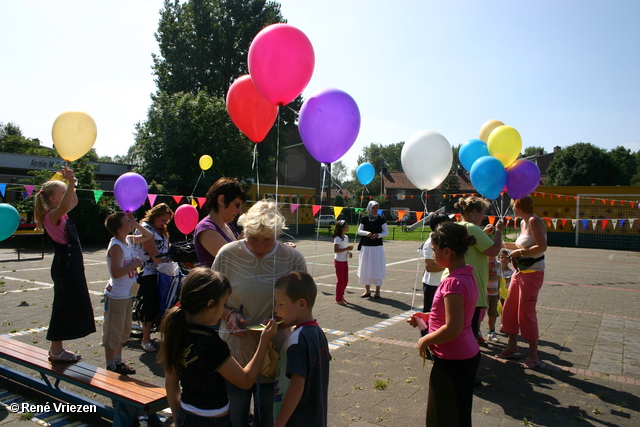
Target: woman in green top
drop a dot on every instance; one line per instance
(472, 209)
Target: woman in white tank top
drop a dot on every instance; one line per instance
(519, 315)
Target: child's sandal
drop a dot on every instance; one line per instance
(64, 357)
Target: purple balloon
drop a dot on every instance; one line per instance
(523, 177)
(130, 191)
(329, 124)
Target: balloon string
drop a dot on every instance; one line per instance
(254, 165)
(423, 199)
(275, 237)
(194, 187)
(355, 234)
(315, 253)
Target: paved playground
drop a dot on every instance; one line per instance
(588, 310)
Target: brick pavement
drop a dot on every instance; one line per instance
(589, 345)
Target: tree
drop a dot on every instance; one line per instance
(581, 164)
(204, 43)
(203, 49)
(383, 156)
(625, 164)
(534, 151)
(12, 141)
(338, 172)
(182, 127)
(636, 177)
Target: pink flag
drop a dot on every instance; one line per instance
(152, 199)
(294, 206)
(29, 189)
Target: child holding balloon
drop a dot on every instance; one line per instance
(72, 312)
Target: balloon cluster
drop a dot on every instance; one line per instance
(491, 162)
(281, 61)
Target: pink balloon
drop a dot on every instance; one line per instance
(186, 218)
(281, 62)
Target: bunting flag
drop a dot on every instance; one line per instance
(604, 201)
(614, 222)
(194, 203)
(178, 199)
(29, 189)
(401, 215)
(97, 194)
(337, 210)
(632, 203)
(294, 207)
(631, 222)
(492, 219)
(555, 223)
(3, 188)
(419, 215)
(594, 222)
(457, 217)
(604, 223)
(593, 201)
(548, 221)
(584, 224)
(359, 209)
(201, 201)
(380, 212)
(621, 223)
(612, 202)
(315, 209)
(152, 199)
(564, 222)
(573, 223)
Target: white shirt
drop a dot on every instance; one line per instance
(341, 256)
(431, 279)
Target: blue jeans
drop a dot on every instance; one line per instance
(240, 401)
(188, 419)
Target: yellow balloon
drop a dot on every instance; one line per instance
(487, 128)
(505, 144)
(205, 162)
(73, 133)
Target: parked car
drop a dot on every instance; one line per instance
(326, 221)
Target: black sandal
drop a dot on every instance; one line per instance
(365, 295)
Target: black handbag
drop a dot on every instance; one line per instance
(523, 263)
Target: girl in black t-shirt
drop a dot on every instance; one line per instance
(196, 359)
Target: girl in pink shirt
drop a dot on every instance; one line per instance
(456, 354)
(72, 311)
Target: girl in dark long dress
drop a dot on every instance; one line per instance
(71, 313)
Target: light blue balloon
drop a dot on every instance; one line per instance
(488, 176)
(365, 173)
(9, 220)
(471, 151)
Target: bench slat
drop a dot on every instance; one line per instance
(122, 386)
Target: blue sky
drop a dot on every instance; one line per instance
(559, 72)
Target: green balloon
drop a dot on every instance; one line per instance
(9, 220)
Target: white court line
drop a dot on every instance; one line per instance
(44, 284)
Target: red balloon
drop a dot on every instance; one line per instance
(249, 110)
(281, 62)
(186, 218)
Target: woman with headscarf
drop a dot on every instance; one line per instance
(372, 262)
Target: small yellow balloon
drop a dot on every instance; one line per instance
(487, 128)
(73, 133)
(505, 144)
(205, 162)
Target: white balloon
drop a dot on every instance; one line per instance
(426, 159)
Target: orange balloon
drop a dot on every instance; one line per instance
(73, 133)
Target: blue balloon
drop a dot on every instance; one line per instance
(471, 151)
(9, 220)
(365, 173)
(488, 176)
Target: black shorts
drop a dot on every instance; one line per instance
(148, 293)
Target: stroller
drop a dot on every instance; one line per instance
(170, 277)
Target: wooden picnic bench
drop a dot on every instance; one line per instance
(130, 397)
(25, 232)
